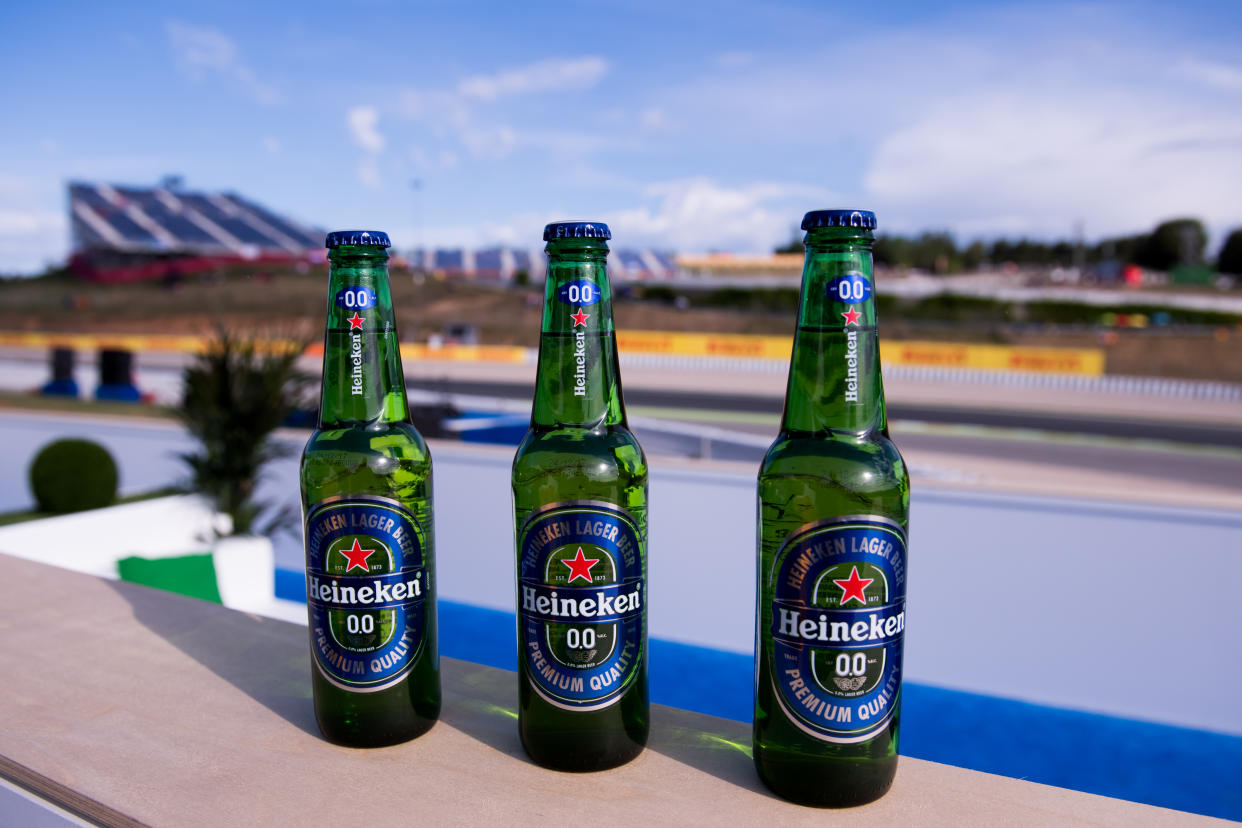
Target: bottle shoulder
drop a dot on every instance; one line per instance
(599, 450)
(396, 440)
(871, 456)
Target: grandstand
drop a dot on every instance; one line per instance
(131, 233)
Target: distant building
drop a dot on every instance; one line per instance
(502, 264)
(729, 264)
(130, 233)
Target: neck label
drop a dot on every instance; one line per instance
(356, 297)
(580, 293)
(852, 287)
(851, 366)
(356, 374)
(837, 623)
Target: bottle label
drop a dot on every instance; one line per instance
(837, 622)
(581, 603)
(366, 589)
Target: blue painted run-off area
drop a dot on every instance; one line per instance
(1173, 767)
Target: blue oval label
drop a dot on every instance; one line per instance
(366, 589)
(355, 298)
(579, 292)
(838, 624)
(850, 288)
(582, 599)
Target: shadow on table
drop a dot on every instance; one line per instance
(268, 660)
(481, 702)
(714, 746)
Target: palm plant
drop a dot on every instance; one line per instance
(237, 392)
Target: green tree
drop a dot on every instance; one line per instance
(794, 245)
(1230, 258)
(974, 256)
(236, 394)
(1176, 242)
(893, 251)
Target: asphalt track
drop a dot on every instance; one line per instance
(1110, 425)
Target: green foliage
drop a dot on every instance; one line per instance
(794, 245)
(658, 293)
(1230, 259)
(236, 395)
(73, 475)
(1172, 243)
(933, 252)
(948, 307)
(1169, 245)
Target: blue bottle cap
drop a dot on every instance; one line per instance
(864, 219)
(368, 238)
(576, 230)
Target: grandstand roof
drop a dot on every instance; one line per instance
(158, 221)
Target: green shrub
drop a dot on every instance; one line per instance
(237, 393)
(73, 475)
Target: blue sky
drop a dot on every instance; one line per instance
(686, 126)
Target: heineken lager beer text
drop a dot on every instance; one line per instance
(366, 500)
(833, 505)
(580, 496)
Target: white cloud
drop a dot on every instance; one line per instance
(1011, 122)
(448, 115)
(31, 240)
(653, 119)
(1222, 76)
(363, 123)
(543, 76)
(490, 144)
(369, 174)
(700, 214)
(688, 215)
(1035, 158)
(200, 51)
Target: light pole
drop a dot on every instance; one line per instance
(416, 185)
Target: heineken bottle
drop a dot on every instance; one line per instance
(580, 502)
(833, 507)
(366, 500)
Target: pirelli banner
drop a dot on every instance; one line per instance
(148, 343)
(721, 345)
(948, 355)
(1084, 361)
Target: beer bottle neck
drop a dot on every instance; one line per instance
(834, 374)
(362, 378)
(577, 382)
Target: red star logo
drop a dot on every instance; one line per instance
(580, 567)
(853, 588)
(357, 557)
(579, 318)
(355, 322)
(851, 316)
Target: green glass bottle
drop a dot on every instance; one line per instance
(366, 503)
(580, 502)
(833, 513)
